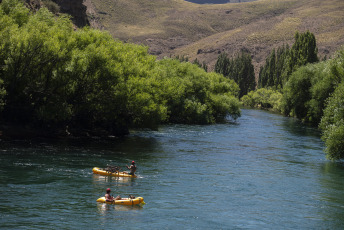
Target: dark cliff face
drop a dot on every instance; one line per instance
(76, 9)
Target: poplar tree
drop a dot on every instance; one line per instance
(303, 51)
(240, 69)
(280, 65)
(222, 64)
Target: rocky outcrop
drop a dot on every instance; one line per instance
(92, 15)
(76, 9)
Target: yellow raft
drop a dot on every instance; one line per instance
(123, 201)
(102, 172)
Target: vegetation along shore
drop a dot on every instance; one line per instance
(58, 81)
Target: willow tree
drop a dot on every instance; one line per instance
(332, 125)
(54, 77)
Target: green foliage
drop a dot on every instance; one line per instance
(323, 84)
(281, 64)
(303, 51)
(53, 77)
(267, 73)
(308, 88)
(240, 69)
(270, 74)
(222, 64)
(30, 59)
(314, 93)
(15, 10)
(52, 6)
(296, 93)
(194, 96)
(263, 98)
(332, 124)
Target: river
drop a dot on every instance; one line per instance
(263, 171)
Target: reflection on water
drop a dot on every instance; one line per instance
(105, 209)
(332, 172)
(117, 214)
(112, 182)
(116, 180)
(333, 186)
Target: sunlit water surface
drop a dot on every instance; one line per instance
(264, 171)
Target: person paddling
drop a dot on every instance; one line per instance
(132, 168)
(110, 198)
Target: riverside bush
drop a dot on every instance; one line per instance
(58, 78)
(263, 98)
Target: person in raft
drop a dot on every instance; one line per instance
(110, 198)
(132, 168)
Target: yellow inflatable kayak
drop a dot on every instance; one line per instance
(123, 201)
(103, 172)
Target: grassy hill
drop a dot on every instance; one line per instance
(202, 31)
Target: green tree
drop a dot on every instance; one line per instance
(308, 88)
(267, 73)
(222, 64)
(303, 51)
(263, 98)
(240, 69)
(296, 93)
(193, 95)
(332, 125)
(270, 74)
(281, 58)
(280, 65)
(35, 52)
(15, 10)
(53, 77)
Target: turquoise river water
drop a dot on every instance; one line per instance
(263, 171)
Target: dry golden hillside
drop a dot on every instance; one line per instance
(177, 27)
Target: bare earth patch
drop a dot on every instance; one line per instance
(202, 31)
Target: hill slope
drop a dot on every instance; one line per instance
(202, 31)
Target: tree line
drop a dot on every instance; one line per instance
(238, 68)
(294, 82)
(84, 82)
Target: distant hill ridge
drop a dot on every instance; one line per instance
(203, 31)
